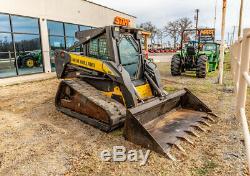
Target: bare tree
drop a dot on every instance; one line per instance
(184, 23)
(172, 30)
(175, 28)
(160, 35)
(148, 26)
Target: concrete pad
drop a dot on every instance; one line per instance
(26, 78)
(164, 57)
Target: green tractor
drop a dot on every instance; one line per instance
(29, 59)
(198, 53)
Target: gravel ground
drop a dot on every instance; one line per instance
(36, 139)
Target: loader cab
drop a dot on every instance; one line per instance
(128, 44)
(189, 43)
(129, 51)
(211, 46)
(117, 44)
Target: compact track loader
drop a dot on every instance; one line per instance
(107, 83)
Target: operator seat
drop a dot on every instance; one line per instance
(190, 50)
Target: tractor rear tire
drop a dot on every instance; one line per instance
(28, 62)
(201, 70)
(176, 65)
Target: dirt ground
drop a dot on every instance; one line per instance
(36, 139)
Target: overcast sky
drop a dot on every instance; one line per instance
(160, 12)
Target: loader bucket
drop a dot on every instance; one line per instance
(161, 124)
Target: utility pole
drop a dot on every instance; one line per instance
(228, 38)
(233, 34)
(215, 14)
(240, 19)
(197, 18)
(221, 67)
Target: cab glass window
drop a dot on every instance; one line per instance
(129, 55)
(98, 48)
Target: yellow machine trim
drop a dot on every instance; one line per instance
(90, 63)
(144, 91)
(116, 91)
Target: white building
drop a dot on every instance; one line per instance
(31, 29)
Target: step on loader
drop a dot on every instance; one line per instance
(107, 83)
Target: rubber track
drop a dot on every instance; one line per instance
(115, 109)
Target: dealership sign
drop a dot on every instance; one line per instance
(207, 34)
(121, 21)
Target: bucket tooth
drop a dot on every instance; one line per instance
(204, 123)
(193, 133)
(212, 114)
(199, 128)
(179, 147)
(187, 140)
(209, 118)
(170, 156)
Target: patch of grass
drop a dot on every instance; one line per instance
(205, 169)
(227, 64)
(205, 87)
(212, 74)
(170, 89)
(117, 132)
(190, 74)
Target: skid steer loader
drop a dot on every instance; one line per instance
(107, 83)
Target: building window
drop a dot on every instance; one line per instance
(83, 28)
(25, 25)
(29, 55)
(70, 41)
(56, 39)
(56, 42)
(62, 36)
(55, 28)
(27, 42)
(4, 23)
(70, 30)
(20, 46)
(7, 59)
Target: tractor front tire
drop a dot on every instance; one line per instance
(201, 70)
(176, 65)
